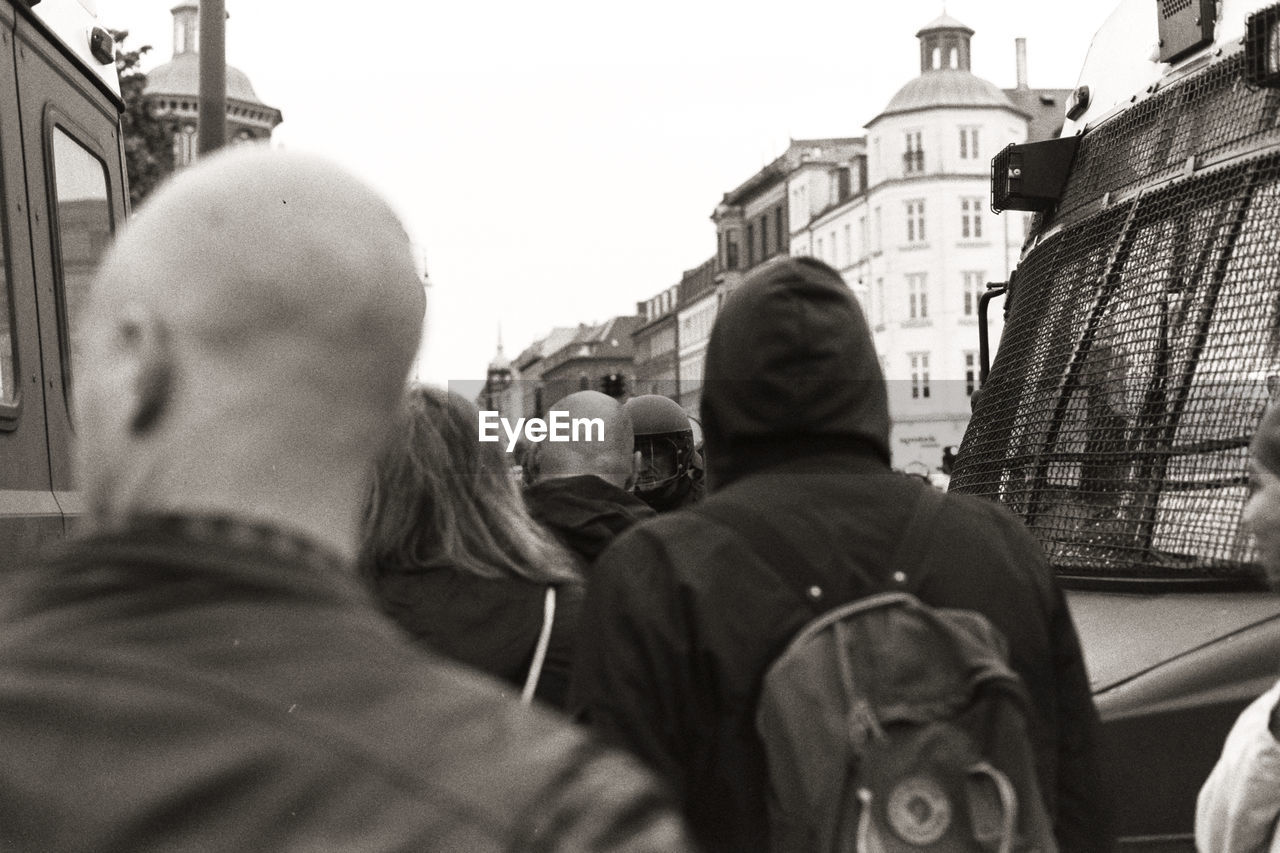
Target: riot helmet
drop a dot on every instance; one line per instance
(664, 437)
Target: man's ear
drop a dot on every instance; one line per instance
(145, 343)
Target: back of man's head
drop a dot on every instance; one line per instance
(247, 344)
(791, 369)
(601, 442)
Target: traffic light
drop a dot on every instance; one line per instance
(614, 384)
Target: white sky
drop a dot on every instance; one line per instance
(559, 160)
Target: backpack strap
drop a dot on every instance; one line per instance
(907, 566)
(772, 549)
(540, 651)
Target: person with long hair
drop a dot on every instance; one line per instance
(453, 556)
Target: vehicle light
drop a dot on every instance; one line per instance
(1033, 175)
(1078, 102)
(1185, 26)
(1262, 48)
(102, 46)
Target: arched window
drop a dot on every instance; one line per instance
(936, 61)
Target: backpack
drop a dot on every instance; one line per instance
(889, 725)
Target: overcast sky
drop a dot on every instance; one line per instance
(558, 161)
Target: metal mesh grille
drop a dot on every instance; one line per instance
(1135, 362)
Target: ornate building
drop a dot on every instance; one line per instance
(173, 93)
(917, 243)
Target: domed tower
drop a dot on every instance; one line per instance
(173, 92)
(934, 242)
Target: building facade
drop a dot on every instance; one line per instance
(918, 244)
(598, 358)
(172, 93)
(656, 344)
(700, 295)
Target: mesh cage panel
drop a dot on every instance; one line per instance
(1140, 343)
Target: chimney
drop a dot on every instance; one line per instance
(1022, 62)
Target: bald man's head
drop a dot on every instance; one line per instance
(261, 300)
(611, 459)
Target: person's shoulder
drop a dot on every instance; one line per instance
(531, 775)
(989, 517)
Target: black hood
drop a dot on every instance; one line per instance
(791, 371)
(585, 513)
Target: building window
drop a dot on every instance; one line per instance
(974, 286)
(848, 243)
(751, 246)
(820, 253)
(731, 250)
(915, 221)
(971, 218)
(764, 236)
(880, 307)
(777, 221)
(913, 158)
(917, 296)
(834, 255)
(877, 231)
(970, 373)
(969, 143)
(919, 375)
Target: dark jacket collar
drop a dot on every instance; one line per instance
(585, 513)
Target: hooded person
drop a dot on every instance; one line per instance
(580, 488)
(1239, 805)
(685, 613)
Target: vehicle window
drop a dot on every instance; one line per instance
(83, 224)
(8, 382)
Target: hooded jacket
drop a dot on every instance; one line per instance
(585, 513)
(685, 613)
(491, 624)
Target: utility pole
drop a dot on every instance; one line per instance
(212, 122)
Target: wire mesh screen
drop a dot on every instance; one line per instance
(1141, 338)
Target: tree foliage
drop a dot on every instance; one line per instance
(148, 140)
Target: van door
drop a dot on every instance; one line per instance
(76, 198)
(29, 513)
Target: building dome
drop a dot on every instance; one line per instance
(945, 79)
(946, 88)
(181, 76)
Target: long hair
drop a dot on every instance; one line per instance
(441, 497)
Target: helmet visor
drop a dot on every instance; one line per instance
(663, 460)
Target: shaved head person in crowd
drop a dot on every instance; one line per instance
(202, 669)
(581, 488)
(247, 343)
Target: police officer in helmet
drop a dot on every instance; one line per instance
(671, 470)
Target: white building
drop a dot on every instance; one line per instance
(919, 244)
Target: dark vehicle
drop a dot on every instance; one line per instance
(1141, 345)
(62, 184)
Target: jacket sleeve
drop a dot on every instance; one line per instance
(631, 678)
(1240, 802)
(607, 805)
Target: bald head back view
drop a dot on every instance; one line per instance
(247, 342)
(612, 459)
